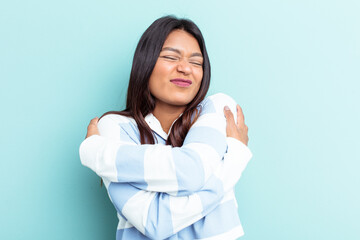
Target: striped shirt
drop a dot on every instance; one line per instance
(164, 192)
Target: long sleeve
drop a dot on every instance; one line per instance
(156, 214)
(160, 215)
(118, 157)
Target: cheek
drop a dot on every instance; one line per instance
(199, 75)
(156, 76)
(162, 69)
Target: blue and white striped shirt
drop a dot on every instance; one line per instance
(164, 192)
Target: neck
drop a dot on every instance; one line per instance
(167, 114)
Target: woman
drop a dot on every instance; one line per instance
(166, 161)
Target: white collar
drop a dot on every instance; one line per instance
(155, 125)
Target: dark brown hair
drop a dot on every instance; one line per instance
(139, 101)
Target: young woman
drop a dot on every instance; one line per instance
(170, 160)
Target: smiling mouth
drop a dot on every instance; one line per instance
(181, 82)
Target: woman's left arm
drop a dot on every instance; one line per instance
(159, 215)
(177, 171)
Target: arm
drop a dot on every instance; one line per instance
(119, 158)
(159, 215)
(143, 209)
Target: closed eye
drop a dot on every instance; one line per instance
(196, 63)
(170, 57)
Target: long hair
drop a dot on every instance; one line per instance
(139, 101)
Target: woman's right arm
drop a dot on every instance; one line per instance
(144, 209)
(160, 168)
(160, 215)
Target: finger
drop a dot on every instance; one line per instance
(229, 116)
(92, 128)
(94, 121)
(240, 116)
(93, 124)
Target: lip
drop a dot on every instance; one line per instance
(181, 82)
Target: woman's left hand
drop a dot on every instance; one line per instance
(92, 129)
(236, 130)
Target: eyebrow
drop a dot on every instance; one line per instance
(178, 51)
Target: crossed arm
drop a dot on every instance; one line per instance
(117, 156)
(146, 191)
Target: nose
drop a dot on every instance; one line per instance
(184, 67)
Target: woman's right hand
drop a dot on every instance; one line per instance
(236, 130)
(92, 128)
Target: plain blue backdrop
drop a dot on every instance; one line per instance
(294, 67)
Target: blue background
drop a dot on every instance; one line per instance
(294, 67)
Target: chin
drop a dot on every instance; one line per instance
(181, 101)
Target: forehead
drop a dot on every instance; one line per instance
(182, 41)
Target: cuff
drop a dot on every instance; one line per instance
(88, 151)
(239, 147)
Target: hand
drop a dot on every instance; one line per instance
(236, 130)
(92, 129)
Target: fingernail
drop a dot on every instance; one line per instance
(226, 108)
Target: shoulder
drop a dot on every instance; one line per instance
(115, 118)
(113, 121)
(217, 102)
(221, 98)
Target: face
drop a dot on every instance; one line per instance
(178, 72)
